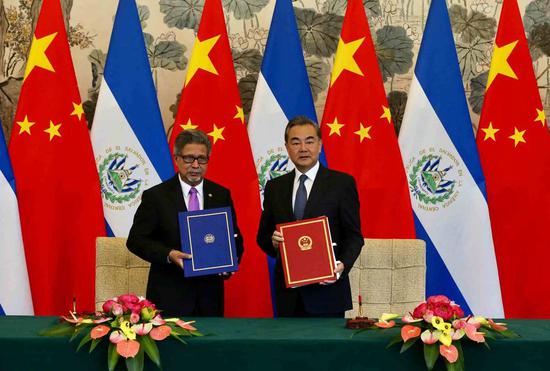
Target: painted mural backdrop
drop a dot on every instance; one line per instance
(170, 26)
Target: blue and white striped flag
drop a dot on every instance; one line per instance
(15, 292)
(445, 178)
(282, 93)
(128, 136)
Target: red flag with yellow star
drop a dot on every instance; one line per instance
(210, 102)
(514, 148)
(358, 132)
(57, 181)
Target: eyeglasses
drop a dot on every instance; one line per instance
(188, 159)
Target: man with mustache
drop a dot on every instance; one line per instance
(155, 233)
(309, 191)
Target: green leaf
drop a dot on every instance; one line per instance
(244, 9)
(196, 333)
(178, 338)
(395, 340)
(431, 353)
(77, 332)
(144, 14)
(112, 356)
(319, 32)
(407, 344)
(318, 72)
(182, 14)
(94, 344)
(460, 359)
(61, 329)
(393, 50)
(84, 341)
(509, 334)
(471, 24)
(136, 363)
(151, 349)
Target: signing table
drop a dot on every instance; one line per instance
(271, 344)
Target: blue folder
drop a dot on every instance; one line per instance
(208, 236)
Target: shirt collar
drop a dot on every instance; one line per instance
(311, 173)
(186, 187)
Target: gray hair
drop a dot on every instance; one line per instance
(191, 136)
(301, 121)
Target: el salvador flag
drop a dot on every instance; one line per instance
(15, 292)
(128, 136)
(445, 178)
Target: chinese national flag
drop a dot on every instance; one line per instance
(358, 132)
(514, 147)
(210, 102)
(57, 181)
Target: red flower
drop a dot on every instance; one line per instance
(108, 305)
(443, 310)
(420, 310)
(438, 299)
(458, 312)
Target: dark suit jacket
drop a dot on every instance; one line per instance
(334, 195)
(156, 231)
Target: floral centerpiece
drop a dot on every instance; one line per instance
(131, 323)
(440, 326)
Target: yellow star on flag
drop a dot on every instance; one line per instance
(77, 110)
(517, 137)
(335, 127)
(490, 132)
(189, 125)
(37, 55)
(363, 132)
(200, 58)
(541, 116)
(25, 125)
(53, 130)
(499, 63)
(386, 114)
(239, 114)
(217, 133)
(344, 58)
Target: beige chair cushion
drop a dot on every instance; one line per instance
(390, 275)
(117, 270)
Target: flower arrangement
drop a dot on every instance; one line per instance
(440, 325)
(131, 323)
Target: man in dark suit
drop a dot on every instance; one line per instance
(155, 233)
(309, 191)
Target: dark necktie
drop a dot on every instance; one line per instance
(301, 198)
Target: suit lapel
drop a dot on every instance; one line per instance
(177, 194)
(317, 191)
(209, 196)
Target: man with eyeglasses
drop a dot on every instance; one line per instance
(309, 191)
(155, 233)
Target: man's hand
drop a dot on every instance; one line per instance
(339, 269)
(276, 239)
(177, 257)
(226, 275)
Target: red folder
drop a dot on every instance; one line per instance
(307, 254)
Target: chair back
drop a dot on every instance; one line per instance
(117, 270)
(390, 276)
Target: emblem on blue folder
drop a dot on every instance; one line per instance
(208, 236)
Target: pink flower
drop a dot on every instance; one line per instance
(430, 337)
(99, 331)
(147, 304)
(459, 323)
(497, 326)
(160, 333)
(449, 352)
(473, 334)
(127, 348)
(108, 305)
(385, 324)
(134, 318)
(457, 334)
(133, 307)
(409, 332)
(157, 320)
(102, 319)
(117, 309)
(428, 316)
(438, 299)
(142, 328)
(128, 298)
(186, 325)
(408, 318)
(116, 337)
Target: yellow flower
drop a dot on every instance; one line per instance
(126, 328)
(388, 316)
(445, 338)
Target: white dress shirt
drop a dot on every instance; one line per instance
(185, 188)
(311, 174)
